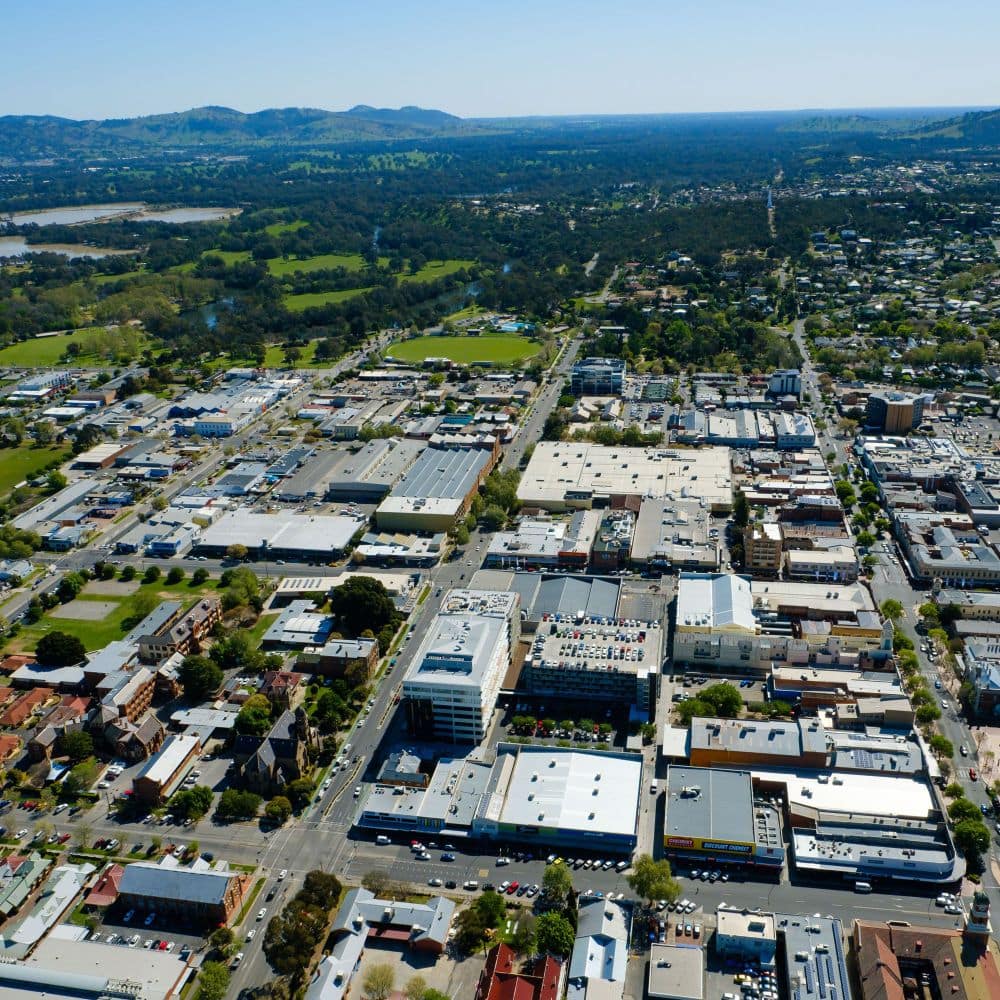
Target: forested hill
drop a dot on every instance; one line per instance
(23, 136)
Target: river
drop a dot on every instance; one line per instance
(15, 246)
(138, 211)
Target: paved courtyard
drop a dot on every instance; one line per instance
(85, 611)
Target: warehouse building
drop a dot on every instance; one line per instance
(452, 685)
(281, 535)
(438, 489)
(565, 475)
(367, 475)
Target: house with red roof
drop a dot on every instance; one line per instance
(539, 979)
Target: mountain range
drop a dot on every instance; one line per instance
(26, 137)
(45, 135)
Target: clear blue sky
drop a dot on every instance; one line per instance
(116, 58)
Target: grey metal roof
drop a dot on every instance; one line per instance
(569, 594)
(169, 880)
(443, 472)
(722, 809)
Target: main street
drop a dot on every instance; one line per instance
(890, 581)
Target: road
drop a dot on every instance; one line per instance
(890, 581)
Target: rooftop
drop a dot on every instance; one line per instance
(708, 804)
(566, 790)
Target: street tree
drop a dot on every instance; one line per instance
(279, 809)
(653, 880)
(892, 609)
(213, 981)
(557, 883)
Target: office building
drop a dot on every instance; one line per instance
(164, 772)
(598, 377)
(454, 679)
(894, 412)
(785, 382)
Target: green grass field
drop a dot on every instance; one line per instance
(465, 350)
(352, 262)
(97, 634)
(39, 352)
(296, 303)
(277, 228)
(435, 269)
(16, 464)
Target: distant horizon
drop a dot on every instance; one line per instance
(119, 59)
(873, 110)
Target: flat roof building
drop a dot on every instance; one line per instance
(676, 972)
(712, 813)
(674, 535)
(611, 662)
(281, 535)
(452, 685)
(564, 475)
(563, 796)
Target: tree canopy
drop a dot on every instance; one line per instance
(59, 649)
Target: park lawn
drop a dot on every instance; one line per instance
(469, 312)
(275, 356)
(435, 269)
(278, 228)
(39, 352)
(42, 352)
(466, 350)
(308, 300)
(16, 464)
(110, 279)
(352, 262)
(97, 634)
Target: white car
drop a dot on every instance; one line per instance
(261, 913)
(251, 933)
(283, 874)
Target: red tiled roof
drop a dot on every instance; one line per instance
(540, 981)
(9, 745)
(105, 890)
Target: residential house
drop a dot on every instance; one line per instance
(23, 707)
(19, 876)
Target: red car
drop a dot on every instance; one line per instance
(64, 838)
(512, 888)
(972, 774)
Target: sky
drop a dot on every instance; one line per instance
(122, 58)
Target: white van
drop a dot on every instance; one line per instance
(862, 887)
